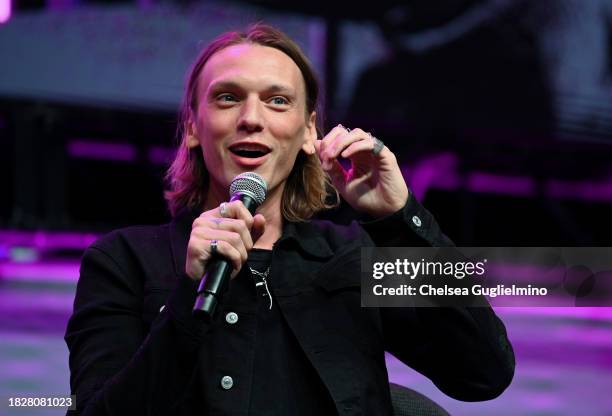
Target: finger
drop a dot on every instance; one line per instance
(199, 253)
(358, 147)
(366, 145)
(335, 148)
(208, 222)
(235, 209)
(337, 174)
(200, 221)
(242, 213)
(232, 224)
(227, 251)
(230, 237)
(339, 130)
(333, 133)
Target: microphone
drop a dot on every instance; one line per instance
(250, 188)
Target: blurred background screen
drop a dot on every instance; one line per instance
(499, 112)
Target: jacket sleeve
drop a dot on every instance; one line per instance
(465, 351)
(118, 365)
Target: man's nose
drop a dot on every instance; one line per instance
(251, 116)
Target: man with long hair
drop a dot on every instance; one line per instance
(291, 337)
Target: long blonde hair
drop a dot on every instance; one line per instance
(308, 186)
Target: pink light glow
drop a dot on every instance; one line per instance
(58, 272)
(441, 172)
(44, 240)
(500, 184)
(5, 10)
(161, 155)
(122, 152)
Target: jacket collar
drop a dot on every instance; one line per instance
(305, 235)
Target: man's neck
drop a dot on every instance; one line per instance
(273, 230)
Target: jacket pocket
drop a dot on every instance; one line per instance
(342, 272)
(342, 313)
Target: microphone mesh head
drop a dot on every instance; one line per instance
(251, 184)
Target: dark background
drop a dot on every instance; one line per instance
(515, 90)
(498, 110)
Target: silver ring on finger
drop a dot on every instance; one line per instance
(223, 209)
(378, 145)
(214, 247)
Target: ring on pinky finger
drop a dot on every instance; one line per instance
(214, 247)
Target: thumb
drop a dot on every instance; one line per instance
(332, 167)
(259, 226)
(337, 174)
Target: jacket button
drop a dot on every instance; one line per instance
(416, 221)
(162, 308)
(231, 318)
(227, 382)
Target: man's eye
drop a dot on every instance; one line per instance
(279, 101)
(226, 98)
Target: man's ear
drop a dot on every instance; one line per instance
(192, 135)
(311, 134)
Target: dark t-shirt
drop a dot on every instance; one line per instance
(280, 363)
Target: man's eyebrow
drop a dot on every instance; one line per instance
(278, 88)
(233, 85)
(223, 85)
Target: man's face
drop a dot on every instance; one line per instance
(251, 115)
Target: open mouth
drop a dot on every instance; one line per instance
(249, 150)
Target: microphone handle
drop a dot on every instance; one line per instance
(215, 281)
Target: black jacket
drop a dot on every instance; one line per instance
(128, 357)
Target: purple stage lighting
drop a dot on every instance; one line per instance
(5, 11)
(121, 152)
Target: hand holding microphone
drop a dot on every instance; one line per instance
(221, 239)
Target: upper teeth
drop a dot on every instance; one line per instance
(250, 147)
